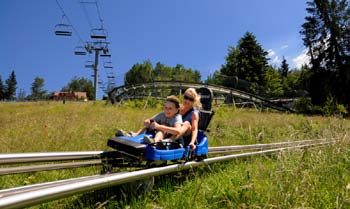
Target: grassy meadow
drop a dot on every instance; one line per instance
(307, 178)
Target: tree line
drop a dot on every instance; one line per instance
(8, 89)
(145, 72)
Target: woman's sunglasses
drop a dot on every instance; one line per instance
(188, 98)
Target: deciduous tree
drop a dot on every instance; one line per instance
(37, 88)
(81, 85)
(140, 73)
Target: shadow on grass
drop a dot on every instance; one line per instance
(128, 194)
(114, 196)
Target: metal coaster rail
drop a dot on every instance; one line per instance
(18, 158)
(121, 91)
(25, 196)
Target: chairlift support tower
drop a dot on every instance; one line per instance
(96, 47)
(97, 51)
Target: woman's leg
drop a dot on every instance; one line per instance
(184, 131)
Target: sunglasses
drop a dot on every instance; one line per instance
(188, 98)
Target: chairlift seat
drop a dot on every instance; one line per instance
(63, 30)
(79, 53)
(79, 50)
(63, 33)
(98, 36)
(107, 65)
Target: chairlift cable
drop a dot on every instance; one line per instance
(86, 14)
(75, 30)
(99, 13)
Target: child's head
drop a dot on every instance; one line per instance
(171, 106)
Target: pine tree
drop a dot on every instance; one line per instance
(11, 86)
(247, 61)
(283, 70)
(2, 90)
(326, 35)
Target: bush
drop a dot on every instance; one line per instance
(331, 107)
(303, 105)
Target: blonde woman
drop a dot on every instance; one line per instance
(190, 116)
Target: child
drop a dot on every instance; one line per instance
(164, 124)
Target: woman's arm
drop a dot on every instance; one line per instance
(195, 120)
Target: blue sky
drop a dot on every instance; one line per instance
(194, 33)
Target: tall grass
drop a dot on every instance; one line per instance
(317, 178)
(309, 178)
(39, 127)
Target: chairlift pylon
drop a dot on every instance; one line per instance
(98, 33)
(79, 50)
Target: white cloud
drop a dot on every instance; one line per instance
(301, 59)
(271, 53)
(284, 47)
(276, 60)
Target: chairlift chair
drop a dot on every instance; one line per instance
(79, 50)
(89, 64)
(63, 30)
(108, 65)
(98, 33)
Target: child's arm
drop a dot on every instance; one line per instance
(167, 129)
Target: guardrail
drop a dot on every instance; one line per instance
(24, 197)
